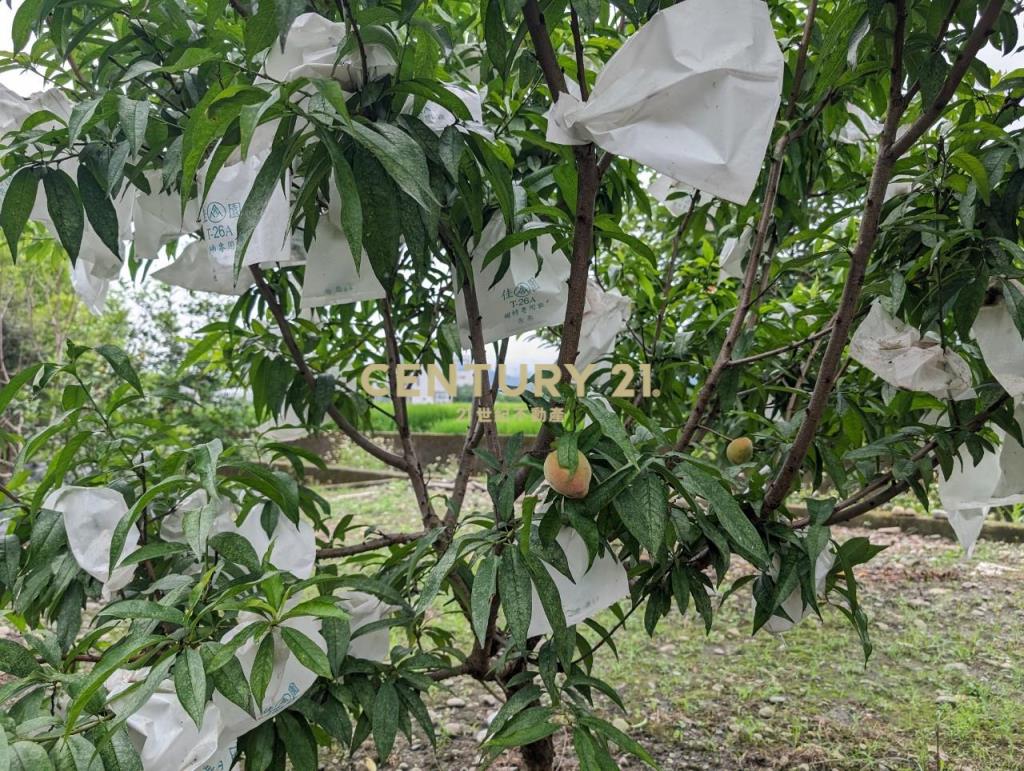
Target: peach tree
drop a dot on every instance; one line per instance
(361, 175)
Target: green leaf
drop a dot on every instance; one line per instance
(643, 506)
(190, 684)
(18, 201)
(64, 206)
(118, 753)
(551, 602)
(609, 731)
(309, 654)
(29, 756)
(385, 718)
(611, 425)
(568, 453)
(10, 390)
(975, 169)
(298, 739)
(25, 19)
(432, 583)
(133, 609)
(16, 660)
(75, 753)
(121, 365)
(81, 114)
(228, 678)
(350, 205)
(732, 519)
(515, 589)
(338, 634)
(483, 593)
(134, 115)
(527, 727)
(1014, 304)
(401, 157)
(267, 179)
(99, 209)
(320, 607)
(237, 549)
(262, 669)
(10, 559)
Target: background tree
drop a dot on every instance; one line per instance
(178, 88)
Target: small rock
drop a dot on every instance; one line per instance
(621, 724)
(453, 728)
(489, 700)
(766, 711)
(455, 702)
(777, 699)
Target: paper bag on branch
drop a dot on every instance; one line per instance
(332, 277)
(734, 252)
(899, 355)
(437, 118)
(972, 490)
(693, 95)
(159, 219)
(860, 128)
(593, 589)
(164, 735)
(289, 679)
(524, 299)
(605, 315)
(91, 514)
(364, 609)
(312, 48)
(1001, 346)
(294, 546)
(222, 206)
(195, 270)
(793, 605)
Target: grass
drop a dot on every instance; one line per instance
(942, 689)
(453, 418)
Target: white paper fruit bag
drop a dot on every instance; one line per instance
(164, 735)
(222, 206)
(605, 316)
(734, 252)
(312, 49)
(193, 269)
(972, 490)
(523, 300)
(159, 218)
(332, 277)
(1001, 346)
(899, 355)
(693, 95)
(364, 609)
(793, 605)
(91, 514)
(593, 589)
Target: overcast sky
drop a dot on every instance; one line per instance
(525, 351)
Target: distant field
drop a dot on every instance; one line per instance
(453, 418)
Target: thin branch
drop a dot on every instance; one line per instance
(351, 19)
(391, 539)
(267, 292)
(781, 349)
(412, 462)
(746, 299)
(577, 39)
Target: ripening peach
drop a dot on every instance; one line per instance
(740, 450)
(575, 485)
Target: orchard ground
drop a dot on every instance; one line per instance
(942, 689)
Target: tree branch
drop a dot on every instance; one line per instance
(746, 300)
(412, 461)
(267, 292)
(890, 150)
(382, 542)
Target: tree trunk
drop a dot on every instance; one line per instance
(539, 756)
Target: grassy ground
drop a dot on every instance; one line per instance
(942, 690)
